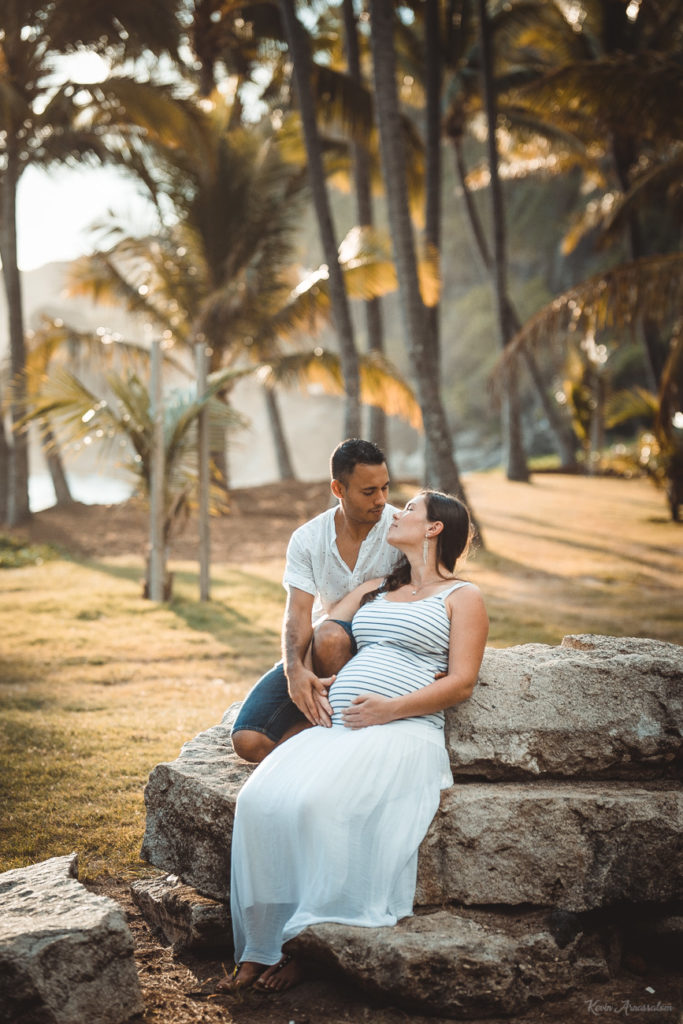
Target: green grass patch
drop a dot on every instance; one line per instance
(15, 553)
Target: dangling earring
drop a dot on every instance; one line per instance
(425, 550)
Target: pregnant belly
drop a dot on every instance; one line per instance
(380, 670)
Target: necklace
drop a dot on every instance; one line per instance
(441, 579)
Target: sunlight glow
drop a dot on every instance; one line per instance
(633, 9)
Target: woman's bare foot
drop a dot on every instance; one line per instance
(244, 976)
(283, 975)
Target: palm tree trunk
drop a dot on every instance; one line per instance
(422, 360)
(284, 462)
(433, 176)
(341, 314)
(512, 427)
(5, 455)
(55, 466)
(18, 501)
(654, 350)
(561, 428)
(377, 426)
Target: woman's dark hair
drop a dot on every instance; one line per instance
(347, 455)
(452, 542)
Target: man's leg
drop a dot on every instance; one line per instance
(332, 646)
(267, 717)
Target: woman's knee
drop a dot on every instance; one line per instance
(331, 648)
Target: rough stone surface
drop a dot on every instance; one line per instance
(570, 844)
(184, 917)
(190, 810)
(459, 964)
(66, 955)
(594, 707)
(574, 845)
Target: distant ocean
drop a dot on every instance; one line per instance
(91, 490)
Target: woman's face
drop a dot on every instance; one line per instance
(410, 524)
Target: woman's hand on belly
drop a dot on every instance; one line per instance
(368, 709)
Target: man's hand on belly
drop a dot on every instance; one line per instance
(309, 693)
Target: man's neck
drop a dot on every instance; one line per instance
(349, 529)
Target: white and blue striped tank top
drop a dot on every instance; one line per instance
(401, 645)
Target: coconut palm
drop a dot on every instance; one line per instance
(612, 302)
(39, 126)
(422, 356)
(299, 51)
(120, 415)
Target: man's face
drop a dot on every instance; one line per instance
(364, 495)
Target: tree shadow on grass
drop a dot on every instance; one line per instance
(549, 532)
(215, 616)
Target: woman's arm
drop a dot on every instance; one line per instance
(349, 605)
(467, 641)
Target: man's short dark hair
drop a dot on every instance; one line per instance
(347, 455)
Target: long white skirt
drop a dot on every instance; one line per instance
(327, 828)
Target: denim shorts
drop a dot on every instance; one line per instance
(268, 708)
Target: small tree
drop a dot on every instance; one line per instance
(121, 415)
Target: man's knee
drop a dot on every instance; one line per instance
(331, 648)
(251, 746)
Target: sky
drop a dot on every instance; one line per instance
(56, 211)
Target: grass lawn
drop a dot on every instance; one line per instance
(97, 685)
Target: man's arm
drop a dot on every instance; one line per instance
(308, 692)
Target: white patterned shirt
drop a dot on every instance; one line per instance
(315, 566)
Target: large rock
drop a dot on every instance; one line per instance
(594, 707)
(459, 964)
(570, 844)
(574, 845)
(185, 918)
(66, 955)
(191, 807)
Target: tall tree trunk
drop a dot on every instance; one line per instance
(654, 350)
(432, 234)
(414, 318)
(5, 457)
(284, 462)
(55, 466)
(18, 500)
(561, 428)
(341, 314)
(377, 428)
(512, 426)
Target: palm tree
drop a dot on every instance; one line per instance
(616, 89)
(512, 427)
(422, 356)
(39, 126)
(361, 173)
(122, 412)
(298, 45)
(614, 301)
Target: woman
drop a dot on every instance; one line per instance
(328, 826)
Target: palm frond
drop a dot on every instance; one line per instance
(614, 299)
(381, 383)
(629, 404)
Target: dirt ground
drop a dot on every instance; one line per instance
(180, 989)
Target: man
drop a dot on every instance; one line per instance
(327, 557)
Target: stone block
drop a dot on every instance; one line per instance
(573, 845)
(66, 955)
(593, 707)
(459, 964)
(185, 918)
(190, 810)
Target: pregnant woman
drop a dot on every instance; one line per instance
(329, 825)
